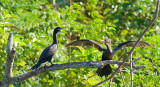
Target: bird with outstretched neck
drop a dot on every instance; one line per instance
(107, 53)
(47, 53)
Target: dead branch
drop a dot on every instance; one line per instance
(10, 59)
(54, 67)
(131, 70)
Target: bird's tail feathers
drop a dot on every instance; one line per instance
(36, 66)
(104, 71)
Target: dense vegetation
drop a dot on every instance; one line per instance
(32, 23)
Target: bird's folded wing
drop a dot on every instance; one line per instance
(46, 52)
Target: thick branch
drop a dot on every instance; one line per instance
(10, 58)
(44, 69)
(147, 28)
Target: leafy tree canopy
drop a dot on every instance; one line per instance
(32, 23)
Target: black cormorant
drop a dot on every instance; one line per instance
(107, 53)
(47, 53)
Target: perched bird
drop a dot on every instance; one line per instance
(47, 53)
(107, 53)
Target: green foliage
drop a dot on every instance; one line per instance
(32, 23)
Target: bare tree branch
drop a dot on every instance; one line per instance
(147, 28)
(54, 67)
(135, 61)
(8, 71)
(131, 70)
(10, 59)
(110, 83)
(122, 78)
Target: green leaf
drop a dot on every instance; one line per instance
(22, 63)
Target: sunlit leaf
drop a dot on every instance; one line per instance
(22, 63)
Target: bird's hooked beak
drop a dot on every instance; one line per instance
(60, 29)
(105, 41)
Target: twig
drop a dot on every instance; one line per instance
(131, 70)
(123, 55)
(122, 78)
(110, 83)
(135, 61)
(147, 28)
(155, 85)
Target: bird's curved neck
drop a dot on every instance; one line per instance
(109, 47)
(55, 38)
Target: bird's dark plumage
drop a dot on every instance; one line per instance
(48, 52)
(107, 53)
(87, 43)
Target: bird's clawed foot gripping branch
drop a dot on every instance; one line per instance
(10, 79)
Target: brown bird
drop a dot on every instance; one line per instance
(107, 53)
